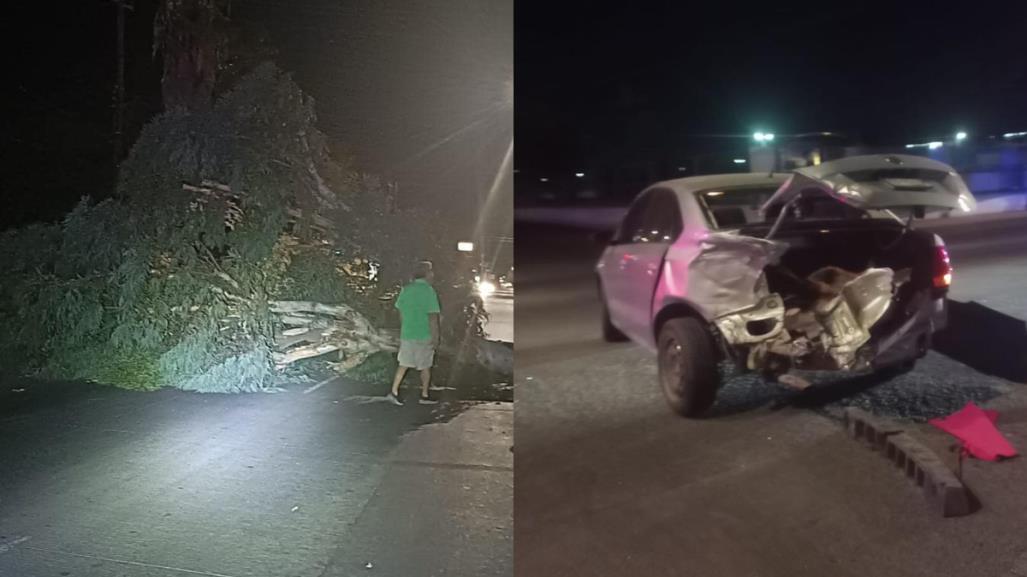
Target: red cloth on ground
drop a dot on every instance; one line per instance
(975, 428)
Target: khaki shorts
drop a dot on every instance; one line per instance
(418, 355)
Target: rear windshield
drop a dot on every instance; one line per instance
(728, 208)
(739, 207)
(900, 178)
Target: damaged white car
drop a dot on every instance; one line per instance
(819, 269)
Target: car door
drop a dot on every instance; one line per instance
(660, 226)
(615, 264)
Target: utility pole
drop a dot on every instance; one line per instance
(119, 83)
(481, 194)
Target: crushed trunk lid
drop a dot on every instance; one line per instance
(880, 181)
(728, 282)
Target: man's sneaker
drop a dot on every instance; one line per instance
(427, 401)
(394, 400)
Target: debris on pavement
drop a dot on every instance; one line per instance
(296, 508)
(975, 429)
(369, 565)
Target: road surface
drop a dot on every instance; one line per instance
(609, 482)
(320, 481)
(500, 307)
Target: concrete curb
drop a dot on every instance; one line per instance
(922, 466)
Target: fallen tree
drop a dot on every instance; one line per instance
(235, 246)
(316, 329)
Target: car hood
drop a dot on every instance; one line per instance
(880, 181)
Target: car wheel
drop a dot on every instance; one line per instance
(687, 366)
(611, 334)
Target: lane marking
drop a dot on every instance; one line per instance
(134, 563)
(319, 385)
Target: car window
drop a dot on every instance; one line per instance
(631, 227)
(728, 208)
(662, 222)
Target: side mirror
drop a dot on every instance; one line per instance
(603, 238)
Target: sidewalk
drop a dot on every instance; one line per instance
(444, 505)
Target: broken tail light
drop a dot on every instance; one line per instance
(942, 268)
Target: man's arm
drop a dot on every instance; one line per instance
(434, 318)
(433, 322)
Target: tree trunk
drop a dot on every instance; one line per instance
(320, 329)
(189, 34)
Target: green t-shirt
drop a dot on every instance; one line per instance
(416, 301)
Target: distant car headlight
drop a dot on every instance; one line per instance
(486, 288)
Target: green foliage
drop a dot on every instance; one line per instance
(128, 369)
(152, 288)
(377, 368)
(313, 275)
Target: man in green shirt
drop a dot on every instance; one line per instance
(418, 306)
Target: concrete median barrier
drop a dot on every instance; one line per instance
(922, 466)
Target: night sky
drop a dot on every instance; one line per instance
(55, 145)
(414, 90)
(613, 82)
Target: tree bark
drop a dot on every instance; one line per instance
(329, 328)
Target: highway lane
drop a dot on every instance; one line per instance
(500, 307)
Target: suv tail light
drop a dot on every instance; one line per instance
(942, 267)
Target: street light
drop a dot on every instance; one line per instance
(930, 146)
(763, 136)
(579, 174)
(960, 136)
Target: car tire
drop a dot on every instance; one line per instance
(611, 334)
(687, 366)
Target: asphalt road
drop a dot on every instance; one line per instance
(610, 482)
(321, 481)
(500, 307)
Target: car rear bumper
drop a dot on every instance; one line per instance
(912, 339)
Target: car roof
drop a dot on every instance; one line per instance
(693, 184)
